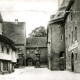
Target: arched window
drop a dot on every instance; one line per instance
(61, 37)
(61, 54)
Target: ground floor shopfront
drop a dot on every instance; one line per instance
(6, 66)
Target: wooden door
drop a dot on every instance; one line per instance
(72, 62)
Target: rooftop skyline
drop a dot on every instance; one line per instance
(34, 12)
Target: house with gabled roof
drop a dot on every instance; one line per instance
(56, 37)
(16, 31)
(32, 45)
(7, 52)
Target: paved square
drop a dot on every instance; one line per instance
(31, 73)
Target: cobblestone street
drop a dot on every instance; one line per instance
(31, 73)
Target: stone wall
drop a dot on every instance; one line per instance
(57, 44)
(43, 54)
(72, 44)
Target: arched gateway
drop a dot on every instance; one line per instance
(29, 62)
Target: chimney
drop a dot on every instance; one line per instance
(16, 21)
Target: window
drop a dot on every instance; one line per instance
(72, 36)
(2, 48)
(61, 37)
(76, 56)
(69, 40)
(61, 54)
(71, 14)
(75, 33)
(8, 49)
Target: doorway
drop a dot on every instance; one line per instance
(72, 62)
(29, 62)
(61, 60)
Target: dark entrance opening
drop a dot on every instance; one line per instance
(29, 62)
(61, 60)
(72, 62)
(61, 54)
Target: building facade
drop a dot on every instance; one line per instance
(7, 55)
(16, 31)
(7, 52)
(56, 45)
(72, 38)
(70, 16)
(56, 38)
(36, 48)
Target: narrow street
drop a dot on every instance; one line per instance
(31, 73)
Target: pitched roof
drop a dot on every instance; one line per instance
(15, 32)
(61, 11)
(36, 42)
(7, 40)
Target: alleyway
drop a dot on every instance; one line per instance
(31, 73)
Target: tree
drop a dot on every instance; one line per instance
(38, 32)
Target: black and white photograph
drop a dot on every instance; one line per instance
(39, 39)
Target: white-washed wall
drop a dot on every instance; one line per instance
(13, 56)
(7, 56)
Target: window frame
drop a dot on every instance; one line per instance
(72, 36)
(71, 15)
(75, 56)
(2, 48)
(8, 49)
(61, 37)
(76, 33)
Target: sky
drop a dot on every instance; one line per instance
(34, 12)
